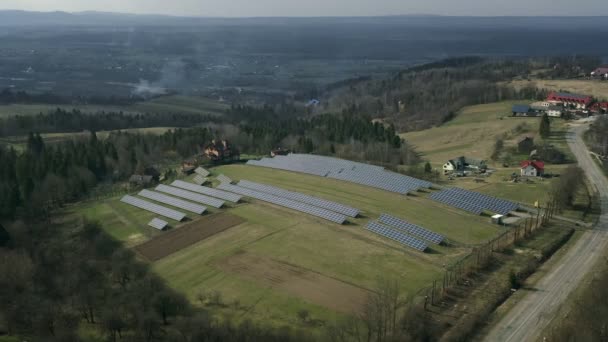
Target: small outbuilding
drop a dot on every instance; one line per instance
(523, 110)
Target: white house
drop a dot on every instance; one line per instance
(554, 111)
(532, 168)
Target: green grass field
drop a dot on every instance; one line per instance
(181, 104)
(281, 261)
(162, 105)
(471, 133)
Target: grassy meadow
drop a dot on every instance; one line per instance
(279, 261)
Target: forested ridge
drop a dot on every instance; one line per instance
(428, 95)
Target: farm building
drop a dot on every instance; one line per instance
(461, 164)
(532, 168)
(541, 105)
(523, 110)
(279, 152)
(600, 72)
(188, 167)
(568, 99)
(525, 145)
(599, 107)
(554, 111)
(220, 150)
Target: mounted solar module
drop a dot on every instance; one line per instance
(397, 236)
(202, 172)
(228, 196)
(284, 202)
(214, 202)
(224, 179)
(155, 208)
(172, 201)
(296, 196)
(158, 223)
(411, 228)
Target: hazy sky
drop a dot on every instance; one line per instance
(239, 8)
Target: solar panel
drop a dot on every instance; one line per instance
(397, 236)
(474, 201)
(158, 223)
(202, 172)
(214, 202)
(228, 196)
(364, 174)
(172, 201)
(284, 202)
(200, 180)
(411, 228)
(296, 196)
(224, 179)
(155, 208)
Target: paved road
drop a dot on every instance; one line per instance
(527, 320)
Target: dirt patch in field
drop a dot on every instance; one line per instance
(306, 284)
(189, 234)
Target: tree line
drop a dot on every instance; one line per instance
(428, 95)
(67, 121)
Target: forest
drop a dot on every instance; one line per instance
(431, 94)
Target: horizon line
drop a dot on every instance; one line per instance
(177, 16)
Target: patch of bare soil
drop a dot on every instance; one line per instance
(189, 234)
(306, 284)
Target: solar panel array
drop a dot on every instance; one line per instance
(296, 196)
(158, 223)
(155, 208)
(473, 201)
(200, 180)
(202, 172)
(214, 202)
(451, 200)
(397, 236)
(284, 202)
(364, 174)
(172, 201)
(228, 196)
(224, 179)
(384, 180)
(411, 228)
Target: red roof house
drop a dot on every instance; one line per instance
(581, 101)
(532, 168)
(599, 107)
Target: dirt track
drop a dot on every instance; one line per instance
(311, 286)
(527, 320)
(189, 234)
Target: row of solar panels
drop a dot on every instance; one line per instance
(179, 193)
(202, 172)
(313, 164)
(206, 191)
(200, 180)
(154, 208)
(382, 180)
(296, 196)
(411, 228)
(224, 179)
(473, 202)
(400, 237)
(364, 174)
(285, 202)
